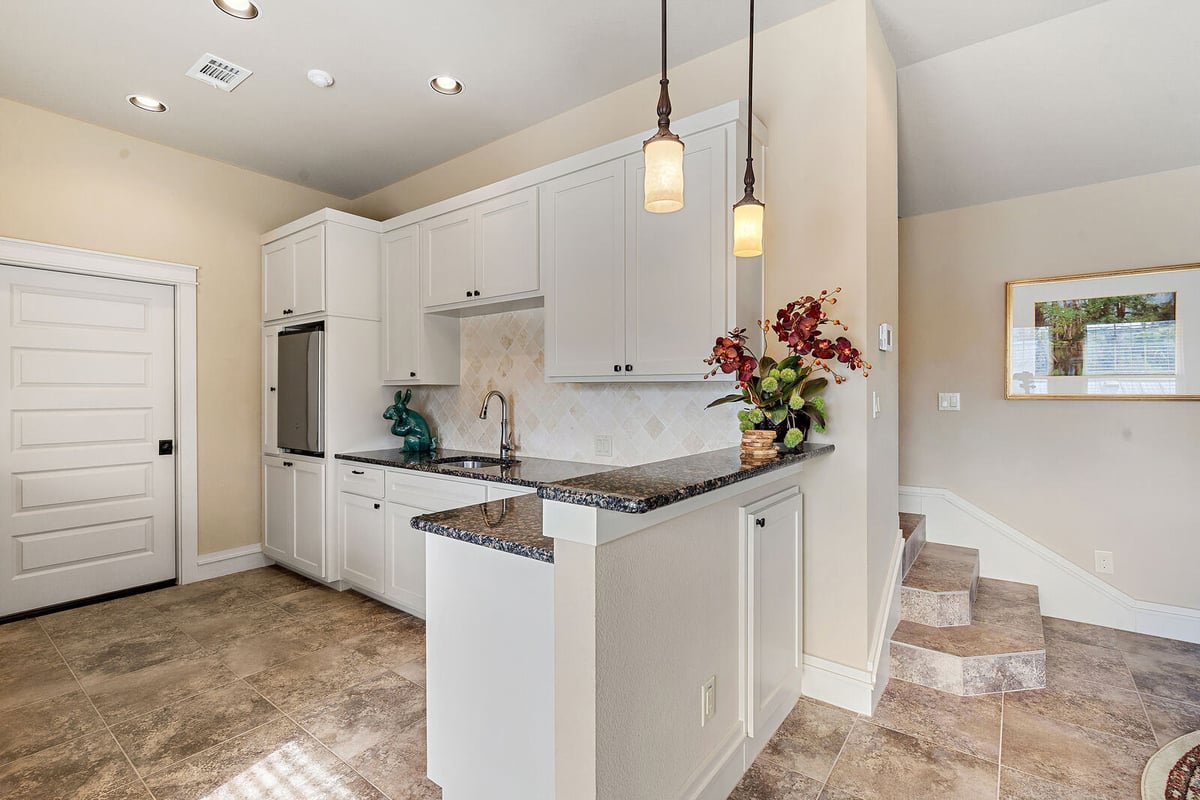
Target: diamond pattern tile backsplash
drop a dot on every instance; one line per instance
(647, 421)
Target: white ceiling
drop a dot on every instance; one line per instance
(990, 106)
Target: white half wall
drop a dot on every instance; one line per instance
(1066, 590)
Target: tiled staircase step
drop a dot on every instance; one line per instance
(1013, 605)
(912, 528)
(940, 586)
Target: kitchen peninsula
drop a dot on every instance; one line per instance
(643, 624)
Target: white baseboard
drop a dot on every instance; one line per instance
(717, 777)
(839, 685)
(227, 562)
(1066, 590)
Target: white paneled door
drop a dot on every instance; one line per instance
(87, 501)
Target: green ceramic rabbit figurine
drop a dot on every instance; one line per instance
(409, 424)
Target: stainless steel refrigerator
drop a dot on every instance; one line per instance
(301, 417)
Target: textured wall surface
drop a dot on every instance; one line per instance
(648, 421)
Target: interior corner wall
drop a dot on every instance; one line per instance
(810, 94)
(71, 183)
(1075, 475)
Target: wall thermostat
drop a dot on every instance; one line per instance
(885, 337)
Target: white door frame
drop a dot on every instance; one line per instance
(22, 253)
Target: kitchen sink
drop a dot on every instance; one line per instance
(475, 462)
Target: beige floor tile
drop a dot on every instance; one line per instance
(82, 631)
(412, 670)
(358, 718)
(809, 739)
(39, 725)
(1091, 705)
(834, 793)
(1170, 718)
(879, 764)
(1170, 675)
(1019, 786)
(316, 599)
(969, 724)
(1069, 662)
(1064, 630)
(179, 731)
(351, 620)
(130, 791)
(312, 677)
(1141, 644)
(1011, 605)
(393, 646)
(24, 643)
(1069, 754)
(265, 649)
(217, 600)
(276, 761)
(270, 582)
(80, 768)
(132, 654)
(135, 693)
(398, 766)
(221, 627)
(24, 682)
(767, 781)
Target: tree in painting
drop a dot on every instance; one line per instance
(1068, 322)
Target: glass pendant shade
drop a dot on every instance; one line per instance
(664, 175)
(748, 229)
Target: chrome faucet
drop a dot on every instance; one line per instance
(506, 448)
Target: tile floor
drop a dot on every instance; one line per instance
(1111, 700)
(264, 686)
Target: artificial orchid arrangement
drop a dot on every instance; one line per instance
(785, 395)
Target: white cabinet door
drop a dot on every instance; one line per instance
(309, 271)
(583, 271)
(279, 509)
(309, 551)
(405, 559)
(270, 414)
(279, 279)
(675, 264)
(448, 258)
(506, 244)
(774, 604)
(402, 298)
(361, 539)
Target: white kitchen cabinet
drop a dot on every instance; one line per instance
(417, 348)
(404, 559)
(583, 272)
(361, 522)
(675, 264)
(773, 537)
(294, 513)
(328, 267)
(480, 253)
(270, 389)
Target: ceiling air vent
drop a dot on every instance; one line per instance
(218, 72)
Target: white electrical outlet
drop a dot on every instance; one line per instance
(1104, 562)
(604, 444)
(708, 700)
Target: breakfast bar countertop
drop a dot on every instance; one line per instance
(513, 526)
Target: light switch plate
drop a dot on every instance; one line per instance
(886, 342)
(875, 405)
(708, 700)
(604, 445)
(949, 401)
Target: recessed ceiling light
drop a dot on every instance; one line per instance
(320, 78)
(147, 103)
(445, 84)
(242, 9)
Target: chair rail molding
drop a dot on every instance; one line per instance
(57, 258)
(1067, 590)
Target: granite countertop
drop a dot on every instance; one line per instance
(531, 472)
(512, 526)
(636, 490)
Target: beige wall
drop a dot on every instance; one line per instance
(70, 183)
(1077, 476)
(812, 95)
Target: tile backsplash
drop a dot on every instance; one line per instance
(647, 421)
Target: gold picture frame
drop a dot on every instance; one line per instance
(1122, 335)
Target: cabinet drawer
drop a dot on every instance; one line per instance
(432, 494)
(361, 480)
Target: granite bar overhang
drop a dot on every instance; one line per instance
(512, 526)
(529, 472)
(637, 490)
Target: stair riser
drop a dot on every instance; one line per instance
(968, 676)
(912, 547)
(937, 609)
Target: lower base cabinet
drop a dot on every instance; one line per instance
(404, 558)
(361, 536)
(294, 513)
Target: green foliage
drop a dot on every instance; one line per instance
(777, 414)
(770, 384)
(756, 415)
(793, 437)
(796, 402)
(747, 425)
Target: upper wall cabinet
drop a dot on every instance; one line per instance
(482, 253)
(325, 268)
(418, 348)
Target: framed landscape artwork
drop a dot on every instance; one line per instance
(1128, 335)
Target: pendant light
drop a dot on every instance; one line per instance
(748, 212)
(664, 150)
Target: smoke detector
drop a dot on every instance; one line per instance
(218, 72)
